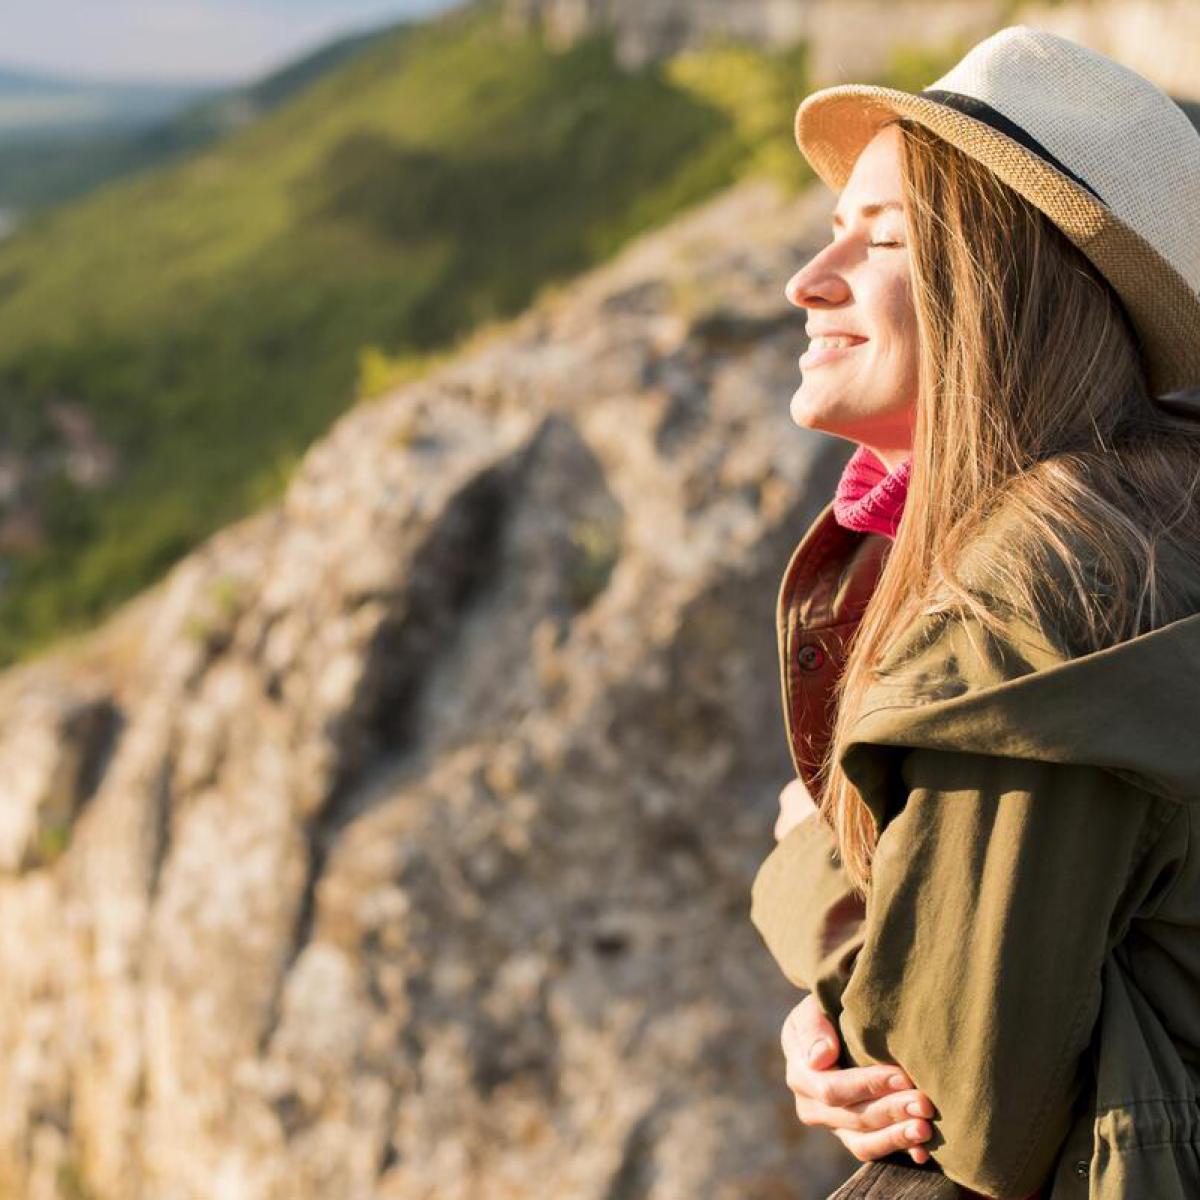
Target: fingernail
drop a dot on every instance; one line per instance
(914, 1132)
(817, 1049)
(897, 1081)
(913, 1108)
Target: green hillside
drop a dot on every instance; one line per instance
(39, 168)
(211, 318)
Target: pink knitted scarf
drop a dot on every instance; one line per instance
(869, 497)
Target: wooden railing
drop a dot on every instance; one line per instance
(885, 1179)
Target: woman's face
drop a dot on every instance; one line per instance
(859, 285)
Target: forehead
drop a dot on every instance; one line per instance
(876, 184)
(867, 211)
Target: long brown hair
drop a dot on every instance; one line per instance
(1032, 395)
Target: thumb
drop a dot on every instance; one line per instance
(822, 1051)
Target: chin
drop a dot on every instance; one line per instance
(826, 411)
(807, 411)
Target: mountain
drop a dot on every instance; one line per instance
(170, 344)
(203, 123)
(398, 843)
(45, 107)
(42, 164)
(17, 82)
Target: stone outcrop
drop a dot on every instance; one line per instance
(399, 842)
(847, 39)
(645, 30)
(855, 40)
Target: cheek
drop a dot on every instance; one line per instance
(898, 317)
(895, 303)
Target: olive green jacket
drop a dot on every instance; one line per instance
(1030, 947)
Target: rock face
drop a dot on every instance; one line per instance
(848, 40)
(398, 844)
(854, 40)
(645, 30)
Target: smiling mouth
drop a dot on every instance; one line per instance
(814, 356)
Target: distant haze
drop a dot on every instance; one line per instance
(183, 41)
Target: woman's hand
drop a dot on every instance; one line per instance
(794, 805)
(860, 1106)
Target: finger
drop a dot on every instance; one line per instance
(842, 1088)
(864, 1118)
(867, 1147)
(806, 1025)
(810, 1044)
(893, 1109)
(808, 1017)
(818, 1053)
(822, 1054)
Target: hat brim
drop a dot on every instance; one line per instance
(833, 126)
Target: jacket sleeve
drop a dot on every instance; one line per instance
(803, 906)
(997, 890)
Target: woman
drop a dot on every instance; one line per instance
(988, 872)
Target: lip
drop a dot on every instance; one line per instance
(813, 357)
(812, 331)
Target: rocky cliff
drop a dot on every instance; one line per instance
(846, 39)
(644, 30)
(399, 843)
(855, 40)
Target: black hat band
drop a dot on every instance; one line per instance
(969, 106)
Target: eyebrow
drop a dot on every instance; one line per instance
(869, 210)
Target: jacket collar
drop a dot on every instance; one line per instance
(1131, 708)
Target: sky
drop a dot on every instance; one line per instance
(201, 41)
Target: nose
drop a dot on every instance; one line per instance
(817, 284)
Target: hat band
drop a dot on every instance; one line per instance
(969, 106)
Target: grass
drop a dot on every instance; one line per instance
(215, 316)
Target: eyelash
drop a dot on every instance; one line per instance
(883, 243)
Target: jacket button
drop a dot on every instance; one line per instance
(1081, 1167)
(812, 657)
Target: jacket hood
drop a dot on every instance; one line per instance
(1132, 708)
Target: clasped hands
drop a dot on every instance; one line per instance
(873, 1111)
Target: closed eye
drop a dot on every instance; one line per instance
(883, 243)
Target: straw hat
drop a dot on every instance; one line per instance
(1111, 159)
